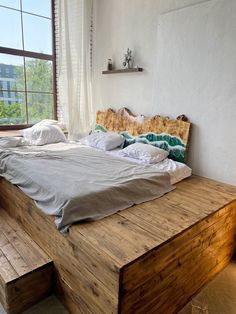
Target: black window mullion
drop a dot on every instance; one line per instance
(26, 53)
(54, 75)
(23, 46)
(28, 91)
(22, 29)
(26, 95)
(27, 12)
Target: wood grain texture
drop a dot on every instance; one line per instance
(73, 272)
(150, 258)
(129, 70)
(25, 270)
(10, 133)
(170, 274)
(124, 120)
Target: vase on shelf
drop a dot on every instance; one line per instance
(128, 60)
(127, 64)
(109, 65)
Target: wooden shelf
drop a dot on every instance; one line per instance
(123, 71)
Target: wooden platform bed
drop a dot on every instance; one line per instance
(150, 258)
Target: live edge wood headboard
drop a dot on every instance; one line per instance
(171, 135)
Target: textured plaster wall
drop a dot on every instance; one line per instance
(188, 51)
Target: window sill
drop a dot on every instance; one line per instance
(13, 133)
(9, 133)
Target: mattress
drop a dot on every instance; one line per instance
(78, 183)
(177, 170)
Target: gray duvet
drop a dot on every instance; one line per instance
(80, 183)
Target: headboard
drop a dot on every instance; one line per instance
(163, 132)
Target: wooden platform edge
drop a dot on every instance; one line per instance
(78, 288)
(81, 289)
(30, 289)
(210, 243)
(26, 272)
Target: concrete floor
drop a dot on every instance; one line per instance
(219, 295)
(51, 305)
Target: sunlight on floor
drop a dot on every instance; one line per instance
(220, 294)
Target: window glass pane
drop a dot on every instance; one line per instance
(41, 7)
(11, 72)
(37, 34)
(10, 26)
(38, 75)
(12, 108)
(40, 106)
(15, 4)
(26, 84)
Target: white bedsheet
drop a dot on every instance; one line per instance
(177, 171)
(80, 183)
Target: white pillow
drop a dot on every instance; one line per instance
(50, 122)
(11, 141)
(47, 122)
(43, 134)
(103, 140)
(144, 152)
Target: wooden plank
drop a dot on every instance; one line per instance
(7, 272)
(157, 224)
(124, 120)
(15, 259)
(29, 289)
(211, 184)
(96, 297)
(119, 238)
(161, 256)
(25, 273)
(171, 300)
(70, 298)
(138, 250)
(167, 219)
(170, 273)
(129, 70)
(174, 133)
(96, 261)
(3, 299)
(76, 273)
(18, 293)
(10, 133)
(179, 268)
(33, 256)
(3, 239)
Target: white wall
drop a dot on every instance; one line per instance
(188, 51)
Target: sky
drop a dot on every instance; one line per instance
(37, 30)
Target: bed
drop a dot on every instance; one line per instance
(149, 258)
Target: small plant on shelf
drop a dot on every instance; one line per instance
(127, 63)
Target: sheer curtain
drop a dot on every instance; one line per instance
(73, 29)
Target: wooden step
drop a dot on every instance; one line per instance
(25, 270)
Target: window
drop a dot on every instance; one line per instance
(27, 62)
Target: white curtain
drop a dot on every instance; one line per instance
(73, 28)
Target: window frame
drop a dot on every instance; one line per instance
(42, 56)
